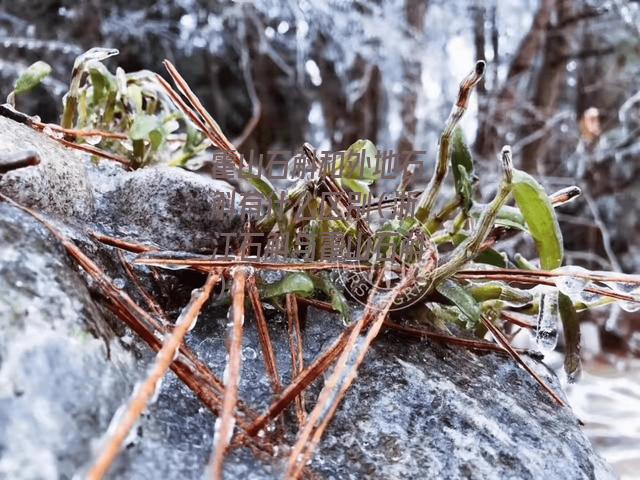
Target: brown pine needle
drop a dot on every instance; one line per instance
(181, 105)
(443, 338)
(347, 366)
(633, 279)
(268, 354)
(94, 151)
(289, 267)
(516, 320)
(151, 303)
(337, 385)
(301, 382)
(502, 340)
(122, 244)
(191, 371)
(295, 345)
(142, 395)
(212, 129)
(226, 421)
(70, 132)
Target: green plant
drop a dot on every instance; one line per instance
(152, 130)
(460, 278)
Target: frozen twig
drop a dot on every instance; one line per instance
(119, 430)
(263, 334)
(225, 423)
(502, 340)
(295, 345)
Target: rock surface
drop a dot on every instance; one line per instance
(416, 410)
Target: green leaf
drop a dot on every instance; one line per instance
(571, 327)
(262, 184)
(102, 82)
(354, 185)
(488, 256)
(31, 77)
(354, 168)
(462, 299)
(536, 208)
(134, 96)
(156, 137)
(462, 166)
(96, 54)
(491, 257)
(291, 283)
(507, 217)
(338, 301)
(143, 125)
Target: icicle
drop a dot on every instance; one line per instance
(547, 327)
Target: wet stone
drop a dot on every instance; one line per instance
(416, 409)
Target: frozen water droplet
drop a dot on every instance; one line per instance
(249, 353)
(93, 139)
(571, 284)
(630, 306)
(547, 327)
(627, 288)
(50, 132)
(119, 283)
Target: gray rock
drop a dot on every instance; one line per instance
(416, 410)
(58, 185)
(173, 207)
(58, 387)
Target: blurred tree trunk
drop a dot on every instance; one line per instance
(548, 84)
(347, 123)
(415, 11)
(478, 16)
(500, 111)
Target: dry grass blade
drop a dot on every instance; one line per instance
(502, 340)
(263, 333)
(142, 395)
(295, 345)
(226, 421)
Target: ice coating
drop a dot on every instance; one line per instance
(574, 282)
(547, 324)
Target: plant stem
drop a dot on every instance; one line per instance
(428, 198)
(468, 249)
